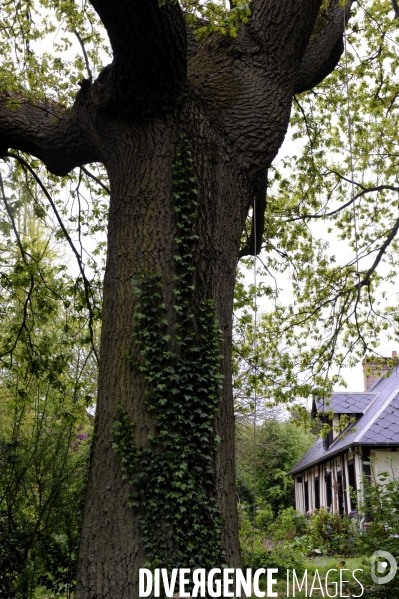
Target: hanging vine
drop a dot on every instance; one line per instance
(172, 478)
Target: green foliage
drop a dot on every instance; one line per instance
(220, 16)
(279, 445)
(316, 313)
(277, 369)
(28, 67)
(47, 380)
(380, 508)
(281, 557)
(257, 553)
(172, 477)
(329, 534)
(289, 524)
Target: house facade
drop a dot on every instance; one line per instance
(331, 472)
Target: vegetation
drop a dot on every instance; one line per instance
(381, 499)
(322, 310)
(47, 383)
(279, 446)
(326, 541)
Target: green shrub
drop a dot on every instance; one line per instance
(280, 556)
(381, 509)
(333, 533)
(264, 516)
(289, 524)
(280, 444)
(256, 548)
(327, 534)
(283, 557)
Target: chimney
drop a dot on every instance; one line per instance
(374, 367)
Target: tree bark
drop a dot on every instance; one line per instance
(142, 228)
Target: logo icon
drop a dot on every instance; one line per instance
(379, 564)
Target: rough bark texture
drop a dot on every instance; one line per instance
(232, 99)
(141, 233)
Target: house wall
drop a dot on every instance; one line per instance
(382, 461)
(338, 499)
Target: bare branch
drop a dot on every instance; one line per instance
(86, 58)
(87, 287)
(364, 191)
(11, 217)
(96, 179)
(31, 279)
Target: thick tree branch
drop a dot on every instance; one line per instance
(396, 8)
(48, 131)
(246, 84)
(324, 48)
(284, 26)
(149, 47)
(193, 44)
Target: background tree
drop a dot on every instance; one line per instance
(47, 382)
(186, 131)
(279, 445)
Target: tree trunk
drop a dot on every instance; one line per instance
(141, 238)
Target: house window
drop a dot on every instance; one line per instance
(306, 497)
(352, 483)
(327, 478)
(299, 479)
(330, 436)
(341, 506)
(316, 493)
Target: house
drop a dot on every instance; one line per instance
(369, 445)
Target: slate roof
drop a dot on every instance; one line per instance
(378, 424)
(346, 403)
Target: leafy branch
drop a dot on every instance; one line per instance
(87, 287)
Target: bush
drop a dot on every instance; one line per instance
(381, 508)
(283, 557)
(280, 444)
(289, 524)
(264, 516)
(260, 555)
(329, 534)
